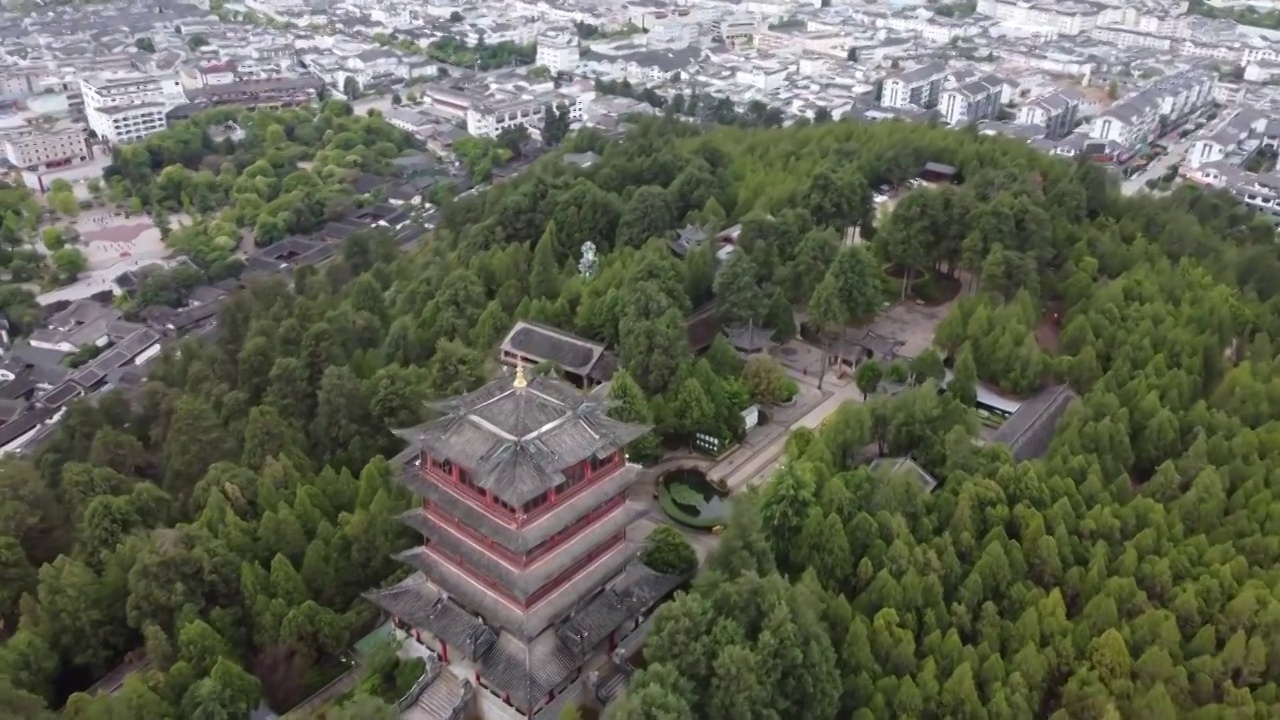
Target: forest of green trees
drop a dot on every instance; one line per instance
(225, 518)
(1129, 574)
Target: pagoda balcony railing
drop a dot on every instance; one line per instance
(528, 560)
(547, 588)
(515, 520)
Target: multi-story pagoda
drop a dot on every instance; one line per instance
(526, 568)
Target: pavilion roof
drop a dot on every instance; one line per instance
(750, 338)
(523, 622)
(517, 438)
(523, 582)
(518, 540)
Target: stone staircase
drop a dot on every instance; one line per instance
(442, 699)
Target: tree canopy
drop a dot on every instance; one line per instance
(1130, 572)
(225, 518)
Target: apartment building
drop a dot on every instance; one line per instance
(125, 107)
(42, 150)
(489, 116)
(920, 87)
(1234, 139)
(216, 73)
(1065, 18)
(558, 50)
(1123, 38)
(672, 33)
(736, 30)
(1055, 112)
(16, 84)
(447, 103)
(972, 101)
(1260, 192)
(489, 119)
(1165, 104)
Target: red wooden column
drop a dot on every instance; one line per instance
(444, 650)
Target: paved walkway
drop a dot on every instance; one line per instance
(95, 281)
(913, 324)
(756, 469)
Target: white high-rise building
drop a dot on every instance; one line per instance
(558, 50)
(125, 107)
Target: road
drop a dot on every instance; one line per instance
(1158, 167)
(757, 469)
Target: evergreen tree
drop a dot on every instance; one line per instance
(544, 278)
(964, 384)
(738, 296)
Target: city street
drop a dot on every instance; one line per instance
(1158, 167)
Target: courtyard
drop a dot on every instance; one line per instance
(112, 244)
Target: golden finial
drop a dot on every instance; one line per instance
(520, 383)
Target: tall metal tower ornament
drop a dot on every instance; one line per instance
(587, 266)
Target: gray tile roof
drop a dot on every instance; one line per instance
(634, 593)
(420, 603)
(520, 540)
(502, 613)
(1030, 430)
(523, 582)
(516, 442)
(905, 465)
(544, 343)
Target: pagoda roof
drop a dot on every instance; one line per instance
(633, 593)
(527, 669)
(517, 540)
(523, 582)
(417, 601)
(523, 622)
(750, 338)
(516, 439)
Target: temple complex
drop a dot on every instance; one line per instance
(528, 565)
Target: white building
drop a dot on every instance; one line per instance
(558, 50)
(736, 30)
(1163, 105)
(16, 84)
(1055, 112)
(1234, 139)
(672, 33)
(1129, 39)
(920, 87)
(217, 73)
(1067, 18)
(972, 101)
(272, 7)
(126, 107)
(936, 30)
(490, 118)
(764, 78)
(449, 104)
(43, 150)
